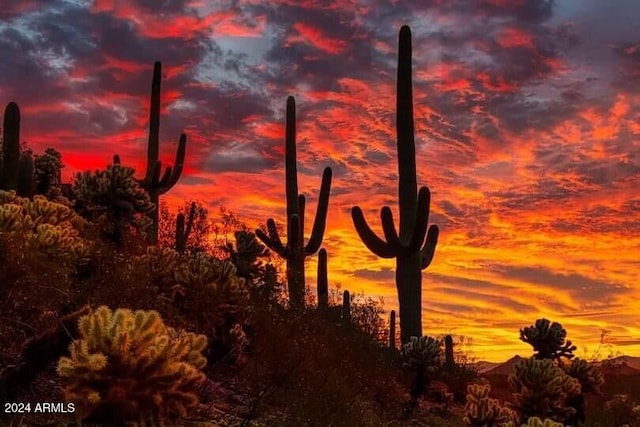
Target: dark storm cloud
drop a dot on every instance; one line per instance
(303, 62)
(12, 8)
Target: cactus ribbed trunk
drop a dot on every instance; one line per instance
(295, 274)
(408, 273)
(295, 261)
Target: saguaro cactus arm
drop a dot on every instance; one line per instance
(368, 237)
(171, 175)
(429, 248)
(272, 241)
(320, 220)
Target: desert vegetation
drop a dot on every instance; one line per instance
(126, 313)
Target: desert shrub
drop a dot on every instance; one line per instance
(621, 410)
(314, 369)
(129, 367)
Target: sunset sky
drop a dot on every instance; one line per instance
(527, 134)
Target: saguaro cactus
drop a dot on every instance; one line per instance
(153, 182)
(295, 250)
(182, 231)
(407, 246)
(449, 362)
(323, 281)
(10, 147)
(16, 168)
(346, 308)
(392, 330)
(26, 184)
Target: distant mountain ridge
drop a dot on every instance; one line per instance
(621, 365)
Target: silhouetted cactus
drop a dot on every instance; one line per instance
(346, 308)
(182, 230)
(16, 167)
(155, 182)
(10, 147)
(449, 363)
(295, 251)
(246, 255)
(130, 367)
(591, 380)
(26, 183)
(392, 330)
(547, 340)
(422, 356)
(48, 172)
(323, 281)
(407, 246)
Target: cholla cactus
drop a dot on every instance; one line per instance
(8, 197)
(483, 411)
(47, 172)
(422, 356)
(219, 281)
(422, 353)
(53, 228)
(537, 422)
(60, 241)
(204, 292)
(115, 196)
(547, 340)
(590, 376)
(160, 264)
(542, 388)
(129, 367)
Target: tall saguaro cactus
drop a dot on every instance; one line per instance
(295, 251)
(409, 248)
(16, 168)
(10, 147)
(155, 182)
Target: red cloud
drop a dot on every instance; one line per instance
(314, 36)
